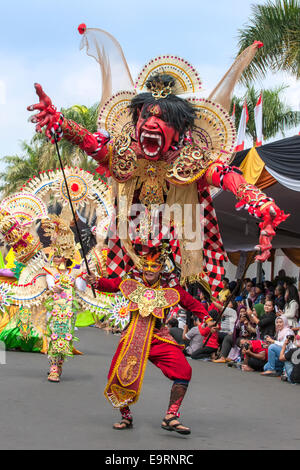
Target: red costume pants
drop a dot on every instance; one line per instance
(168, 357)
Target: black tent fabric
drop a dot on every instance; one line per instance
(239, 230)
(282, 156)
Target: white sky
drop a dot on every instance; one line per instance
(40, 43)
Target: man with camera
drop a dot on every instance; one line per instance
(290, 355)
(254, 353)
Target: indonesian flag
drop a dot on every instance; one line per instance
(240, 142)
(258, 117)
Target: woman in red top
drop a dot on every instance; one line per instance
(208, 327)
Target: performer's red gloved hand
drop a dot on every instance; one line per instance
(48, 114)
(272, 216)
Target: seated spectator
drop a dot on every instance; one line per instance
(254, 354)
(248, 284)
(279, 297)
(280, 278)
(232, 285)
(268, 287)
(274, 367)
(290, 355)
(208, 329)
(259, 294)
(243, 329)
(175, 331)
(203, 297)
(291, 308)
(252, 294)
(192, 338)
(266, 323)
(181, 317)
(239, 300)
(225, 292)
(260, 308)
(228, 320)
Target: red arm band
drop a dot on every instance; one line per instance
(93, 144)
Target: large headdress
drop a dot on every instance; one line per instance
(156, 259)
(213, 129)
(62, 240)
(17, 214)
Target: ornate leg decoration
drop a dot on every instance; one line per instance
(170, 422)
(126, 421)
(60, 363)
(54, 370)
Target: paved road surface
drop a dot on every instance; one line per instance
(226, 408)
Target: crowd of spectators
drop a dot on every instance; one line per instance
(259, 330)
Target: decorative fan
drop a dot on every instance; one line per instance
(25, 207)
(85, 190)
(185, 75)
(109, 307)
(214, 130)
(114, 115)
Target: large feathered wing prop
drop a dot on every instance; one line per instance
(222, 93)
(108, 53)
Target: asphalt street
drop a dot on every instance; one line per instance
(225, 408)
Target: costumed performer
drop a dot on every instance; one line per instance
(146, 337)
(62, 279)
(161, 149)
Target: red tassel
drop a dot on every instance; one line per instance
(82, 28)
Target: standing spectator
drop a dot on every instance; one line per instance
(290, 354)
(225, 292)
(254, 353)
(266, 323)
(291, 309)
(279, 297)
(175, 331)
(192, 338)
(274, 367)
(208, 329)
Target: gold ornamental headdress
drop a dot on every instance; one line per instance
(156, 258)
(61, 236)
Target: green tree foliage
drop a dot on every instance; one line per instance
(277, 25)
(40, 155)
(277, 115)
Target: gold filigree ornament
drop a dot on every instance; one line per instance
(152, 179)
(114, 115)
(186, 76)
(213, 131)
(123, 163)
(189, 166)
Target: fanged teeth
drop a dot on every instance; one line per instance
(151, 136)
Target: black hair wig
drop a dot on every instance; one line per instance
(176, 112)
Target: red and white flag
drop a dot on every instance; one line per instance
(241, 135)
(258, 118)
